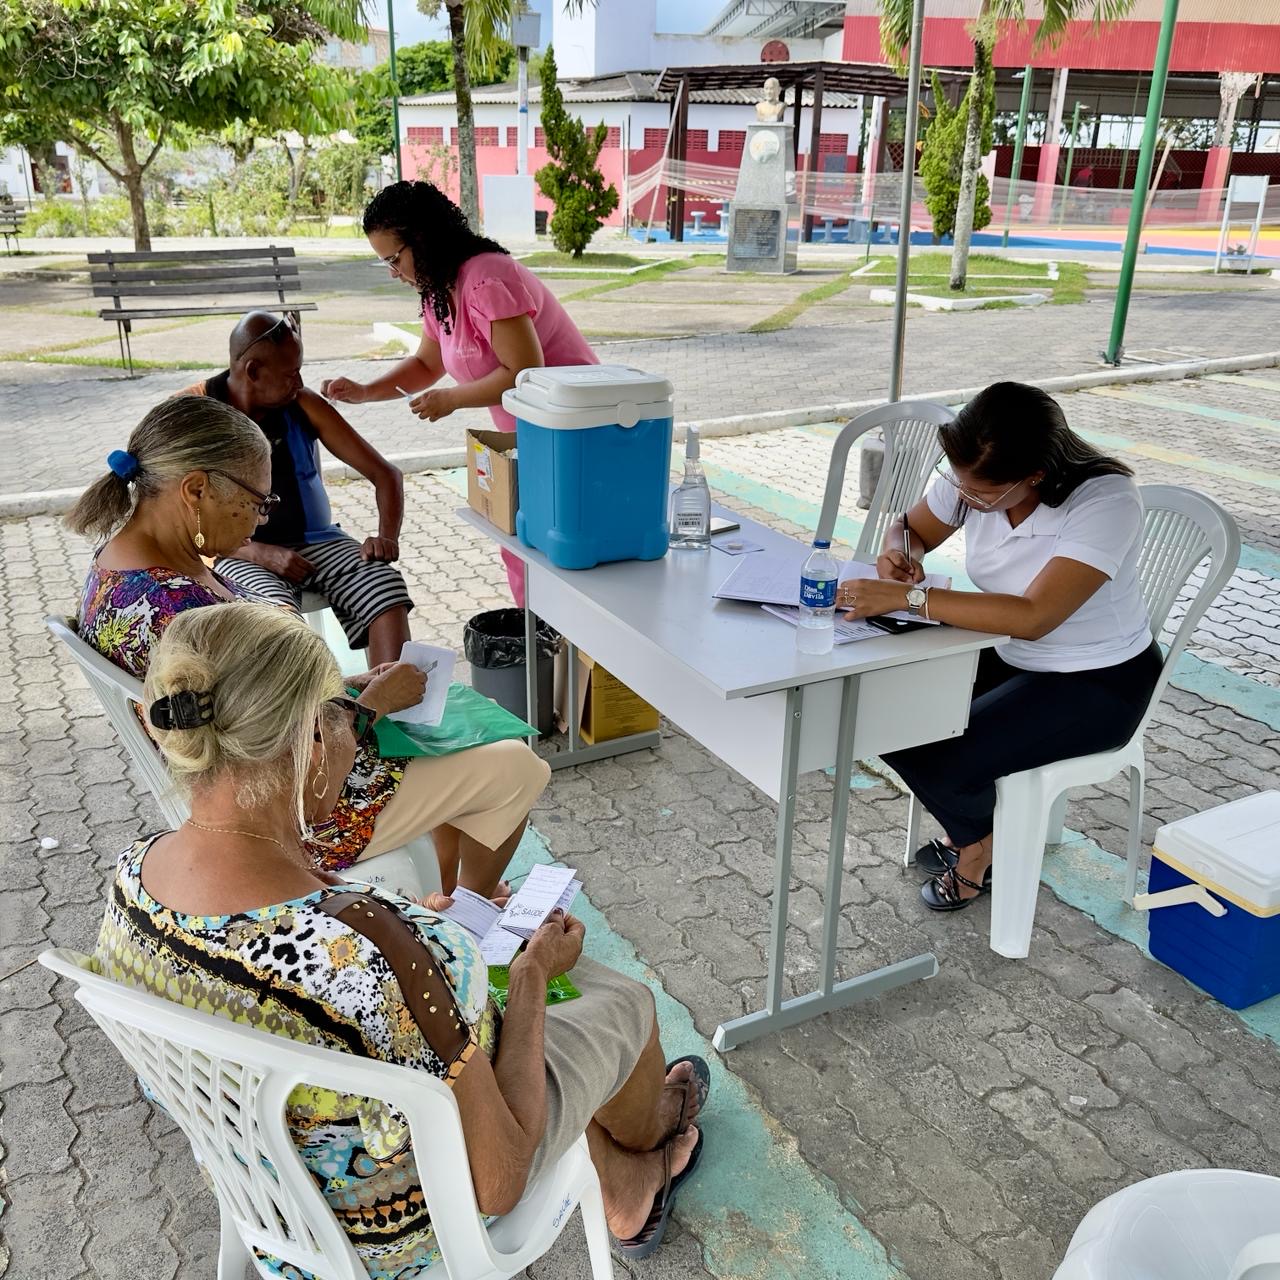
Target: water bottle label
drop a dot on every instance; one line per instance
(818, 593)
(689, 522)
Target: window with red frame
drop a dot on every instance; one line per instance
(487, 137)
(453, 136)
(426, 136)
(731, 140)
(539, 136)
(655, 139)
(613, 137)
(513, 136)
(699, 140)
(833, 144)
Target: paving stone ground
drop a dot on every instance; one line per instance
(969, 1122)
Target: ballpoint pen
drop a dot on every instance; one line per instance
(906, 540)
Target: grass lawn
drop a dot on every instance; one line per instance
(931, 273)
(549, 258)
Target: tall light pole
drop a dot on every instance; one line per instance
(1142, 176)
(395, 89)
(1028, 74)
(525, 30)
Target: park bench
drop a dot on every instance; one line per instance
(11, 220)
(197, 275)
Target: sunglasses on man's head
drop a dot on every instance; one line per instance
(278, 332)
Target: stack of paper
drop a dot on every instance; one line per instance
(437, 665)
(500, 932)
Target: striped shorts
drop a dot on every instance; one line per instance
(357, 590)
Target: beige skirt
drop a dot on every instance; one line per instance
(592, 1047)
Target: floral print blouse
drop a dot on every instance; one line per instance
(123, 613)
(296, 971)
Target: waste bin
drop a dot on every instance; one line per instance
(493, 643)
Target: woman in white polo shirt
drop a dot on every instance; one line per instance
(1053, 529)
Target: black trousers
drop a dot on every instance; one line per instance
(1022, 720)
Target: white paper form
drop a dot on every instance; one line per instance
(437, 665)
(846, 632)
(856, 570)
(475, 914)
(545, 889)
(768, 577)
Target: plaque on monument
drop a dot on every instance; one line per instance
(757, 233)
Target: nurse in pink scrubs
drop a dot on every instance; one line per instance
(484, 316)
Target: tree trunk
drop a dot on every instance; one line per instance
(132, 176)
(468, 188)
(969, 168)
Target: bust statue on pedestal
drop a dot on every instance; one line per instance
(769, 110)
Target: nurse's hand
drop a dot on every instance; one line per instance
(346, 390)
(895, 565)
(433, 405)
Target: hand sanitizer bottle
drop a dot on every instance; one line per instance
(691, 501)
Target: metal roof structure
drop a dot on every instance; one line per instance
(850, 78)
(778, 19)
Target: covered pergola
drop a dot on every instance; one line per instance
(806, 82)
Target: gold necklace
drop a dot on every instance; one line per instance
(305, 861)
(233, 831)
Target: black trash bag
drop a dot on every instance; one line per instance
(495, 640)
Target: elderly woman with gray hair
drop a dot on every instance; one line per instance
(190, 487)
(230, 914)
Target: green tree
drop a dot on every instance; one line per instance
(895, 33)
(571, 179)
(942, 158)
(103, 74)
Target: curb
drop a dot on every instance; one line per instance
(49, 502)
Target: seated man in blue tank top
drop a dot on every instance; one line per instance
(300, 547)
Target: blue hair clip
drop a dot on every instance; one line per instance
(124, 464)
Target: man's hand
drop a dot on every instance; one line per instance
(434, 405)
(396, 685)
(280, 560)
(386, 549)
(556, 945)
(346, 390)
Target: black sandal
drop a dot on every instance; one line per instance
(936, 858)
(696, 1088)
(655, 1227)
(943, 894)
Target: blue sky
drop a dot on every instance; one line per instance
(411, 26)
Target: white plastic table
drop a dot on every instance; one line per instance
(729, 675)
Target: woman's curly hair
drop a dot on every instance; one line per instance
(436, 230)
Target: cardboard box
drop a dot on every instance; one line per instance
(493, 484)
(609, 708)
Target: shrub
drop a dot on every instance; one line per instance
(572, 180)
(942, 158)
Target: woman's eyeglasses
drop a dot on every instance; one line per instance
(982, 504)
(267, 502)
(362, 717)
(391, 259)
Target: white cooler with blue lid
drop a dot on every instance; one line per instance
(595, 461)
(1234, 852)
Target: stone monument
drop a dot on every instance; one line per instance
(764, 203)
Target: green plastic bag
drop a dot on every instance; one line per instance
(470, 720)
(558, 989)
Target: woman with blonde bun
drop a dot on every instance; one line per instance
(190, 487)
(228, 913)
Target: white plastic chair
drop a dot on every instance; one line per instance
(1182, 528)
(226, 1087)
(911, 451)
(1196, 1224)
(412, 869)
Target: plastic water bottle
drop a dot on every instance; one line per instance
(816, 631)
(691, 501)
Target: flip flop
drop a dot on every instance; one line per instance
(698, 1085)
(655, 1227)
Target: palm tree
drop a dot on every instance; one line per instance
(895, 32)
(479, 31)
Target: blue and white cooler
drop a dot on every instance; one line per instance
(594, 443)
(1225, 937)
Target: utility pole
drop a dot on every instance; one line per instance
(395, 89)
(1141, 178)
(1028, 74)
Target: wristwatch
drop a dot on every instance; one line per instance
(917, 598)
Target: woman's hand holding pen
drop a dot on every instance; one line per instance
(895, 566)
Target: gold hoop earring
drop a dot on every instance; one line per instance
(199, 538)
(320, 785)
